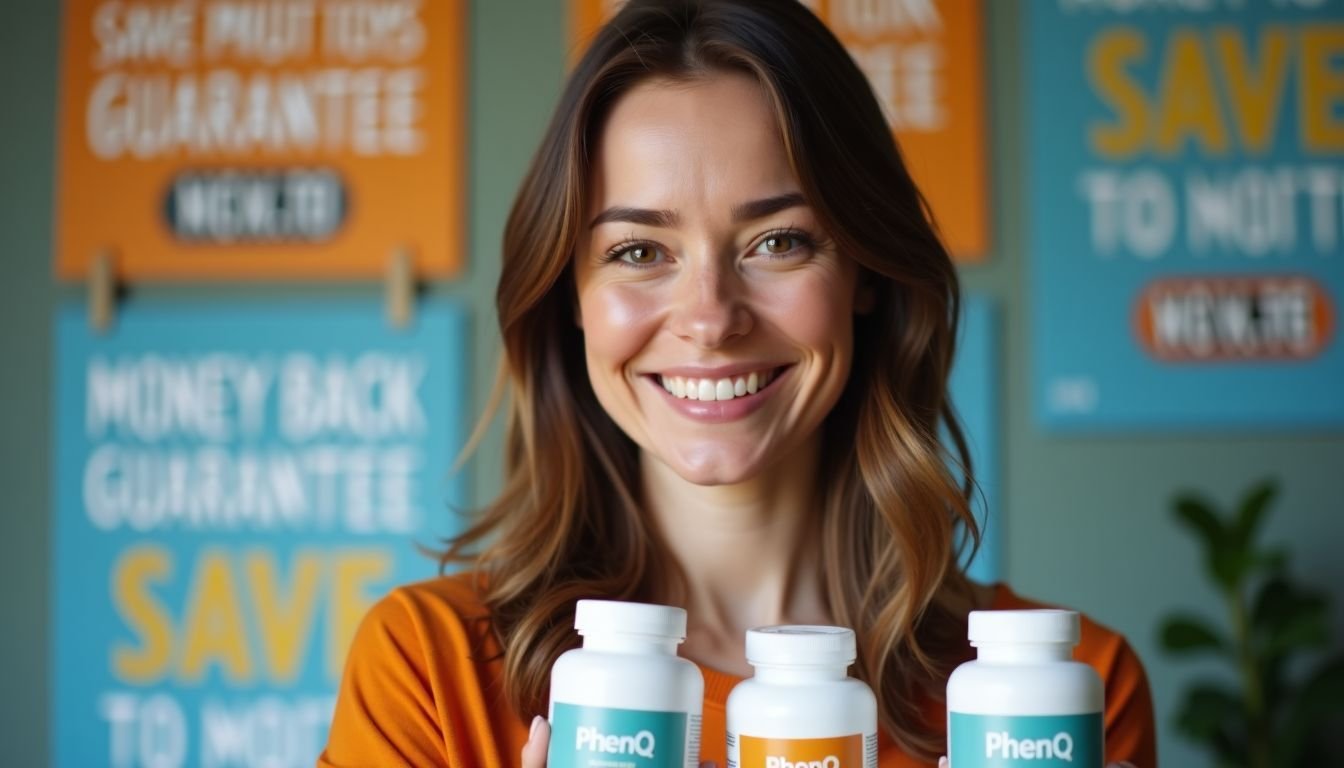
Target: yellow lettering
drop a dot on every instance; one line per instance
(349, 601)
(1106, 63)
(1321, 88)
(1254, 92)
(1188, 105)
(214, 623)
(284, 622)
(132, 575)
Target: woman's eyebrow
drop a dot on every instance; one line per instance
(759, 209)
(644, 216)
(756, 209)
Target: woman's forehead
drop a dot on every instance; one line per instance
(698, 139)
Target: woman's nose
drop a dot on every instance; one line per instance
(710, 308)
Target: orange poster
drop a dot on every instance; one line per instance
(261, 139)
(925, 61)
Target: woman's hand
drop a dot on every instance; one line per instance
(539, 738)
(942, 763)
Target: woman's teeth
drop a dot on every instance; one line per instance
(716, 389)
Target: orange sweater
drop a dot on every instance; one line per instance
(415, 694)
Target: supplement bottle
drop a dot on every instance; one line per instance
(801, 709)
(1024, 701)
(625, 698)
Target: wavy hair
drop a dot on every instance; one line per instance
(568, 523)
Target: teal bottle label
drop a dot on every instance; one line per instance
(599, 737)
(1040, 741)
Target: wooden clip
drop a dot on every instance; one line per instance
(102, 291)
(399, 289)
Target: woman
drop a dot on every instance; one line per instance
(728, 324)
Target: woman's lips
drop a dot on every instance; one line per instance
(717, 388)
(715, 411)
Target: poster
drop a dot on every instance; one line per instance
(235, 484)
(925, 61)
(974, 386)
(1187, 213)
(261, 139)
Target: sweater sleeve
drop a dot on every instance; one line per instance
(423, 686)
(386, 713)
(1130, 729)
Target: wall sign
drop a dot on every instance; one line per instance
(234, 486)
(306, 139)
(1187, 226)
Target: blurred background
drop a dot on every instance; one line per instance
(250, 251)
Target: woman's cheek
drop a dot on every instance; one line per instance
(815, 312)
(617, 322)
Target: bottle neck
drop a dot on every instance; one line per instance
(620, 642)
(1023, 653)
(770, 673)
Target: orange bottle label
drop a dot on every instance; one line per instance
(838, 752)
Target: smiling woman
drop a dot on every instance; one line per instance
(728, 322)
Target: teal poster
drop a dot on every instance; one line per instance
(235, 484)
(1186, 180)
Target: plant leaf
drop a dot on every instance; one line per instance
(1231, 565)
(1321, 696)
(1285, 617)
(1198, 515)
(1188, 634)
(1274, 561)
(1208, 710)
(1251, 511)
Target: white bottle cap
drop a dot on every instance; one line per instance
(801, 645)
(1036, 626)
(603, 616)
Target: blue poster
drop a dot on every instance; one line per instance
(974, 385)
(1187, 213)
(235, 484)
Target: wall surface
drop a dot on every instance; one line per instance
(1087, 520)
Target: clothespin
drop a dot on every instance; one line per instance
(399, 288)
(102, 291)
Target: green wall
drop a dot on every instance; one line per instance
(1087, 520)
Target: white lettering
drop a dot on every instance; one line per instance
(779, 761)
(589, 739)
(1001, 745)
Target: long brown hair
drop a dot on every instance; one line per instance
(568, 523)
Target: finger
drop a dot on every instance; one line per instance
(942, 763)
(538, 739)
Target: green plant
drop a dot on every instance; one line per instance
(1274, 716)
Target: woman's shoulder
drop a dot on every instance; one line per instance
(1101, 646)
(1130, 731)
(416, 676)
(432, 608)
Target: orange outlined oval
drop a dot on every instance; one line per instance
(1234, 318)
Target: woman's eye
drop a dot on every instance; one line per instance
(780, 244)
(640, 254)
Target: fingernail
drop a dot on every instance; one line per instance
(532, 731)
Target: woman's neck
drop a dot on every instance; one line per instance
(748, 553)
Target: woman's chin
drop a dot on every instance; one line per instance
(717, 468)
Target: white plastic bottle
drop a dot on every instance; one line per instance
(626, 698)
(801, 709)
(1024, 702)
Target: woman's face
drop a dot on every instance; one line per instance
(717, 316)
